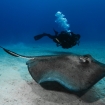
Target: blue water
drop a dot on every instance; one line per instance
(20, 20)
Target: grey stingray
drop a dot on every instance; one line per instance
(72, 71)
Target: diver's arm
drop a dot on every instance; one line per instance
(56, 33)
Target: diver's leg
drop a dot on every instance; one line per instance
(50, 36)
(37, 37)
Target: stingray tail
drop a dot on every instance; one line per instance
(15, 54)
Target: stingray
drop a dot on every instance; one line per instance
(74, 72)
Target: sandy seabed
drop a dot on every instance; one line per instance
(18, 88)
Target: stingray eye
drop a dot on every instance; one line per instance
(85, 59)
(82, 60)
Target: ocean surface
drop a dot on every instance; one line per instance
(21, 20)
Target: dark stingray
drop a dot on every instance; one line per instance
(74, 72)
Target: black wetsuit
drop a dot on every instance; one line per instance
(64, 39)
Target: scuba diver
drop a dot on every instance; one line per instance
(64, 39)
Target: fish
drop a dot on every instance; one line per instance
(74, 72)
